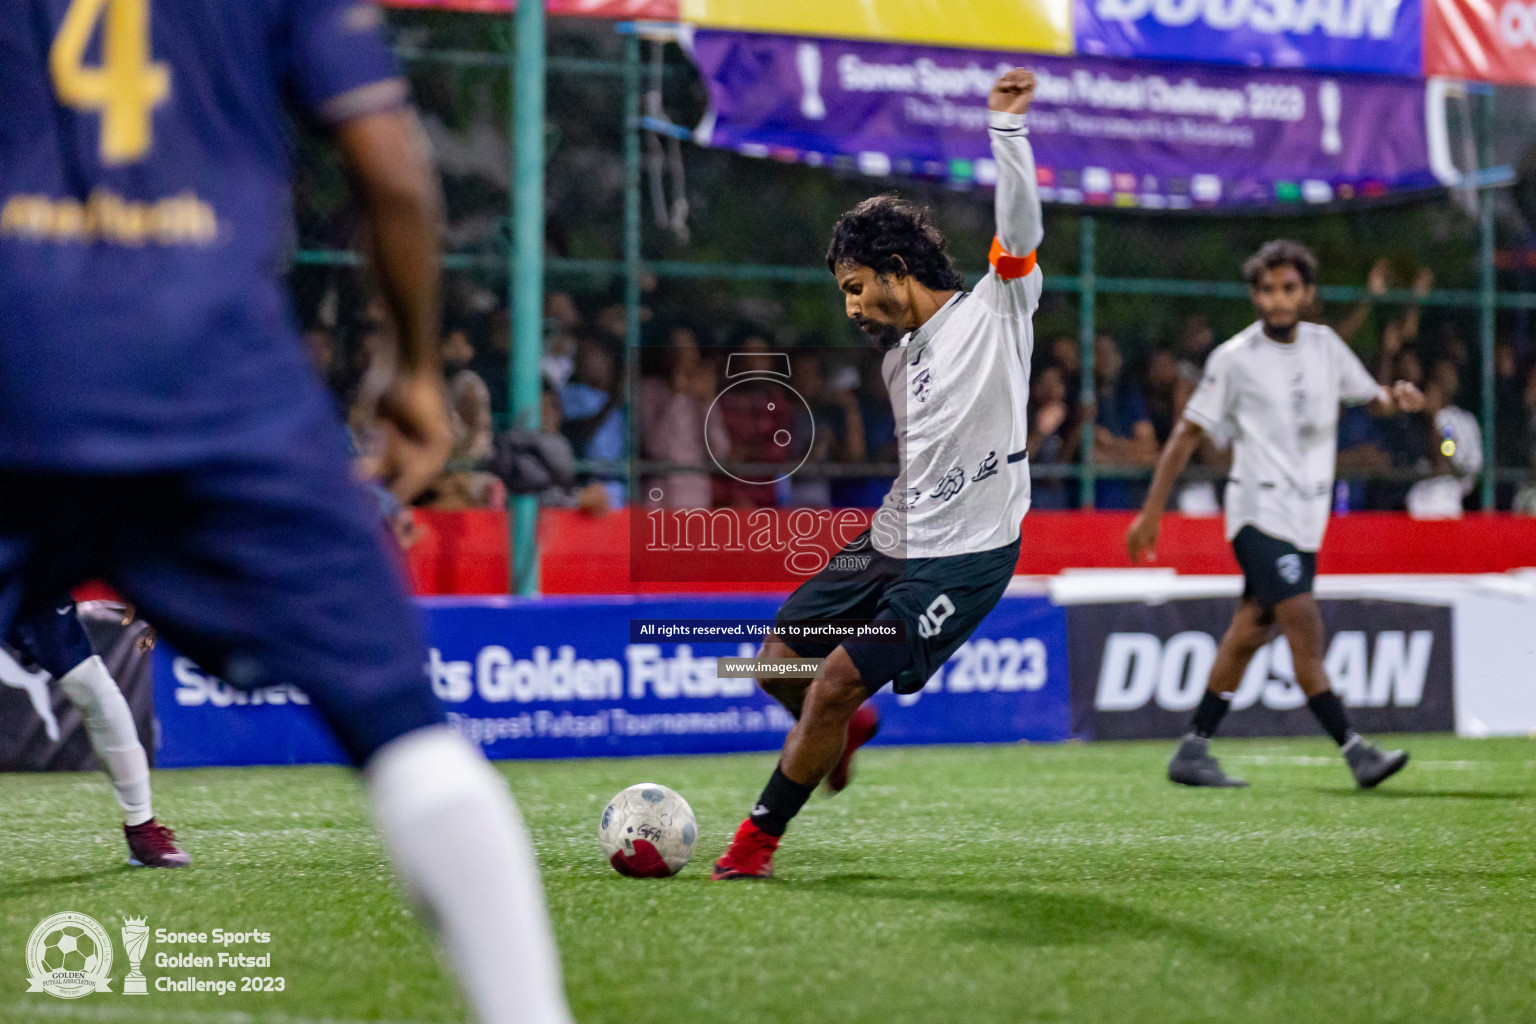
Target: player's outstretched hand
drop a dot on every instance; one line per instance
(1141, 538)
(1014, 92)
(1407, 396)
(416, 431)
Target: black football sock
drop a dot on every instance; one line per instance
(1330, 714)
(781, 800)
(1213, 708)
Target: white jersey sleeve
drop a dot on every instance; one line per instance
(1013, 283)
(1356, 385)
(1210, 405)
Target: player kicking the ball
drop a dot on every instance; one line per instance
(1274, 390)
(161, 428)
(944, 543)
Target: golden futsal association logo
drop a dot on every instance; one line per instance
(69, 955)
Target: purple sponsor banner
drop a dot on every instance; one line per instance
(1105, 132)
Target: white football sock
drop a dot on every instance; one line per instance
(109, 723)
(461, 848)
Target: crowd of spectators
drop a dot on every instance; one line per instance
(688, 420)
(720, 409)
(1426, 463)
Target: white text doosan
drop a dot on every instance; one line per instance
(1339, 19)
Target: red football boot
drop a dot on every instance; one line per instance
(750, 855)
(862, 728)
(153, 845)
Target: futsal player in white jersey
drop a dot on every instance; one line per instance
(945, 541)
(1274, 390)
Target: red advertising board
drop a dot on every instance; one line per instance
(583, 554)
(652, 10)
(1481, 40)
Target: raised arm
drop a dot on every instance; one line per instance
(1020, 223)
(1376, 282)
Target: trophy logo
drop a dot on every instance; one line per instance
(135, 940)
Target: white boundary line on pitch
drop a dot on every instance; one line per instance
(1302, 761)
(151, 1015)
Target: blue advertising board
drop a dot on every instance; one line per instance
(566, 677)
(1384, 36)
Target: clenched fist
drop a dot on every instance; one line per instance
(1014, 92)
(417, 435)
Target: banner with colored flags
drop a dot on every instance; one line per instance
(1105, 132)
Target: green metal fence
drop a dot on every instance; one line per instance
(526, 266)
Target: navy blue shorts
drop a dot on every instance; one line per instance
(263, 570)
(51, 638)
(942, 601)
(1274, 570)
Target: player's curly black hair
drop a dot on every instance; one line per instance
(892, 236)
(1282, 252)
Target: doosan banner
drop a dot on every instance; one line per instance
(570, 677)
(1106, 132)
(1331, 35)
(1139, 669)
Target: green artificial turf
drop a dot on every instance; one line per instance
(1030, 883)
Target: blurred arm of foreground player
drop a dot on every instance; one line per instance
(388, 160)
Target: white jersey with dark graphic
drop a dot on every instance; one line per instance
(959, 387)
(1278, 403)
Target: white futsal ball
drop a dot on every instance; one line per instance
(648, 831)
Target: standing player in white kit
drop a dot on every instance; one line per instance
(1274, 389)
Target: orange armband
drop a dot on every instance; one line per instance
(1008, 266)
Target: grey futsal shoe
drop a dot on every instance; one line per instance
(1193, 765)
(1372, 767)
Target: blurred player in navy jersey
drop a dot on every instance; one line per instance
(161, 429)
(52, 641)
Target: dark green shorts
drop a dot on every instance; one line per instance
(1273, 569)
(941, 600)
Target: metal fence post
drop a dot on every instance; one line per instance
(1087, 393)
(526, 275)
(1488, 310)
(1485, 325)
(632, 192)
